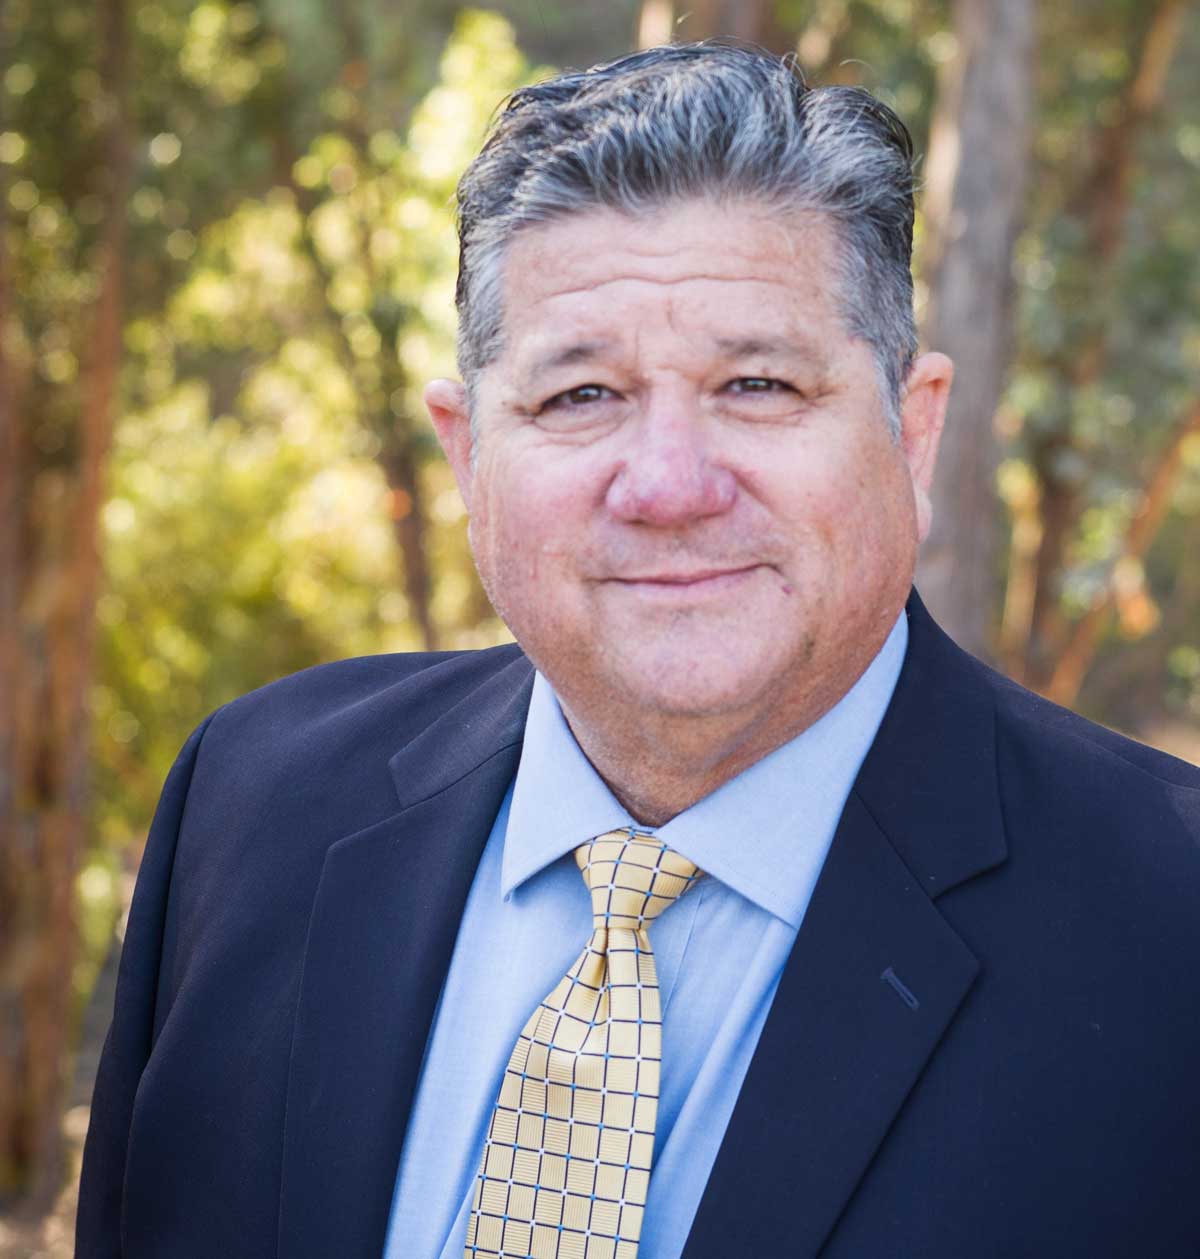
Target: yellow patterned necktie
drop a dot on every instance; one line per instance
(567, 1159)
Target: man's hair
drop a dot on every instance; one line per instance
(698, 120)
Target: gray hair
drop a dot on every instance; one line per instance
(684, 121)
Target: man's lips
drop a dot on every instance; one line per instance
(698, 578)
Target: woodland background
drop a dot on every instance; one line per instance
(226, 268)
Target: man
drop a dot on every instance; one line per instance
(925, 945)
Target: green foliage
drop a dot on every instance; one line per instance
(1092, 432)
(274, 352)
(247, 533)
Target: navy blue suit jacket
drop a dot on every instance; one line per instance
(985, 1043)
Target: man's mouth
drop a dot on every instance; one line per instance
(679, 581)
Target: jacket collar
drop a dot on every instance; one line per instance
(930, 779)
(486, 717)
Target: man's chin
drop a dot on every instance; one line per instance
(686, 689)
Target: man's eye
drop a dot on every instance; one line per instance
(581, 395)
(757, 384)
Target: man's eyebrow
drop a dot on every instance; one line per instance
(568, 355)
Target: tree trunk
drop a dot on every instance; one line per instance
(48, 633)
(752, 21)
(12, 841)
(977, 173)
(408, 521)
(825, 25)
(655, 23)
(398, 456)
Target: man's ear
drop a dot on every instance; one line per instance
(446, 401)
(922, 414)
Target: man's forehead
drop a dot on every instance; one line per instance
(693, 242)
(557, 350)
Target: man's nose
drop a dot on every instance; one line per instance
(670, 474)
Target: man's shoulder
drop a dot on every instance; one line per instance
(1095, 796)
(1065, 743)
(315, 747)
(968, 694)
(284, 772)
(966, 752)
(407, 690)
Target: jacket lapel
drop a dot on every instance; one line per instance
(381, 935)
(876, 974)
(839, 1052)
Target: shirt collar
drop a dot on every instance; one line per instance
(764, 833)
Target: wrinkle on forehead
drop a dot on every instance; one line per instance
(569, 344)
(661, 282)
(593, 249)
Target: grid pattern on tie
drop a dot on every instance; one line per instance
(566, 1164)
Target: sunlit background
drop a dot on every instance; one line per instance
(227, 262)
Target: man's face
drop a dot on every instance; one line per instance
(684, 497)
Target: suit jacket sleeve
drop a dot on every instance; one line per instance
(131, 1036)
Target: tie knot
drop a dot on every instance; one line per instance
(633, 877)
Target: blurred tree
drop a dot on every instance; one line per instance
(578, 34)
(60, 341)
(752, 21)
(247, 535)
(362, 222)
(340, 275)
(976, 174)
(1110, 308)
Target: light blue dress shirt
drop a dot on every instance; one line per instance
(761, 840)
